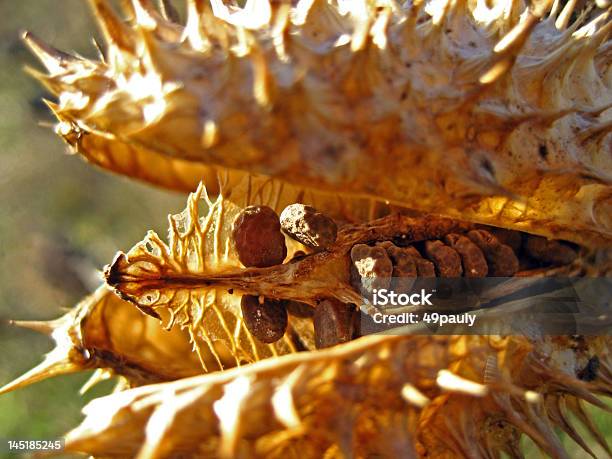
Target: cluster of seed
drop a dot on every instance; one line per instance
(259, 239)
(476, 254)
(258, 233)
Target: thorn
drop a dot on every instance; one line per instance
(55, 108)
(452, 382)
(99, 375)
(517, 34)
(114, 30)
(99, 50)
(145, 13)
(56, 363)
(555, 9)
(54, 60)
(194, 32)
(40, 326)
(414, 396)
(565, 15)
(168, 11)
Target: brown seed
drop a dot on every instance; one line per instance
(266, 319)
(553, 252)
(257, 237)
(513, 239)
(472, 258)
(299, 309)
(307, 225)
(404, 267)
(334, 323)
(425, 268)
(501, 258)
(372, 268)
(446, 260)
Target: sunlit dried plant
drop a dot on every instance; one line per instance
(412, 139)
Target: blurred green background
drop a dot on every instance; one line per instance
(60, 220)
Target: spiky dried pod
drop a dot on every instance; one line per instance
(507, 104)
(373, 113)
(395, 384)
(106, 333)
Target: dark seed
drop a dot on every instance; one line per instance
(266, 319)
(513, 239)
(500, 257)
(425, 268)
(446, 260)
(472, 258)
(257, 237)
(553, 252)
(372, 268)
(404, 267)
(299, 309)
(307, 225)
(334, 323)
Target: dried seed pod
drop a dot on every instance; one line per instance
(500, 257)
(257, 237)
(265, 319)
(472, 258)
(334, 323)
(553, 252)
(404, 267)
(307, 225)
(372, 268)
(425, 268)
(445, 259)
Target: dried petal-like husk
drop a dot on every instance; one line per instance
(169, 281)
(387, 396)
(491, 112)
(107, 333)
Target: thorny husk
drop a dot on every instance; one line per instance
(373, 112)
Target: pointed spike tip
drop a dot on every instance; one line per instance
(53, 365)
(53, 59)
(40, 326)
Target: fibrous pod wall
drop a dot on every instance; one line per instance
(332, 148)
